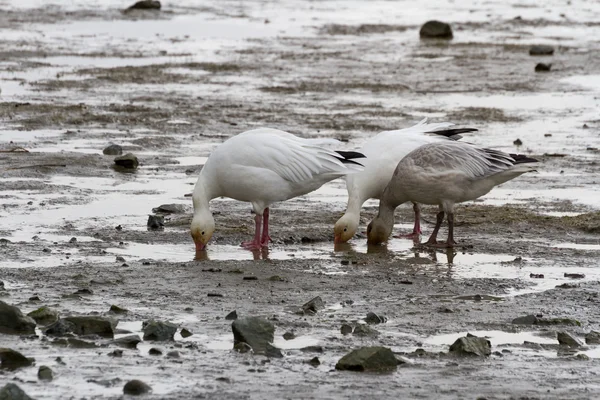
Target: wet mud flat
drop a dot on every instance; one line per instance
(73, 233)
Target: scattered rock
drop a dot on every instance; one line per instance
(44, 315)
(574, 276)
(59, 328)
(145, 5)
(364, 330)
(346, 329)
(312, 349)
(231, 316)
(116, 353)
(185, 333)
(567, 285)
(10, 391)
(13, 322)
(117, 310)
(80, 344)
(255, 331)
(518, 142)
(273, 352)
(93, 325)
(374, 319)
(113, 150)
(277, 278)
(368, 359)
(155, 351)
(159, 330)
(155, 222)
(120, 259)
(315, 362)
(136, 387)
(566, 339)
(542, 67)
(171, 209)
(435, 30)
(526, 320)
(45, 373)
(250, 278)
(128, 161)
(173, 354)
(582, 357)
(592, 338)
(128, 342)
(471, 346)
(12, 359)
(536, 276)
(313, 306)
(242, 347)
(558, 321)
(289, 335)
(541, 50)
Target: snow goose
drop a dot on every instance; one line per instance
(263, 166)
(383, 153)
(443, 174)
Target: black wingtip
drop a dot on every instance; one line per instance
(347, 157)
(522, 159)
(452, 132)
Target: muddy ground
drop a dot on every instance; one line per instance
(169, 85)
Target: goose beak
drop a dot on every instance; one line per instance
(337, 239)
(200, 246)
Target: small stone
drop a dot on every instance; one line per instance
(145, 5)
(214, 294)
(231, 316)
(154, 351)
(93, 325)
(128, 161)
(116, 353)
(345, 262)
(435, 30)
(536, 276)
(582, 357)
(574, 276)
(526, 320)
(541, 50)
(11, 359)
(276, 278)
(250, 278)
(542, 67)
(567, 285)
(312, 349)
(114, 309)
(242, 347)
(155, 222)
(289, 335)
(59, 328)
(592, 338)
(11, 391)
(364, 330)
(80, 344)
(73, 240)
(128, 342)
(471, 346)
(45, 373)
(34, 298)
(136, 387)
(585, 126)
(13, 322)
(120, 259)
(44, 315)
(566, 339)
(518, 142)
(170, 209)
(314, 305)
(255, 331)
(375, 359)
(185, 333)
(346, 329)
(374, 319)
(113, 150)
(159, 330)
(173, 354)
(315, 362)
(558, 321)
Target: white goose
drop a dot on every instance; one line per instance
(263, 166)
(383, 153)
(444, 173)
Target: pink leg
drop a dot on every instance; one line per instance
(265, 234)
(417, 228)
(255, 244)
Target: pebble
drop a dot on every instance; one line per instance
(542, 67)
(127, 161)
(541, 50)
(231, 316)
(136, 387)
(45, 373)
(435, 30)
(185, 333)
(145, 5)
(113, 150)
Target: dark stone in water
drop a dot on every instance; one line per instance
(59, 328)
(541, 67)
(289, 335)
(155, 222)
(136, 387)
(44, 315)
(518, 142)
(315, 362)
(159, 330)
(173, 354)
(471, 346)
(314, 305)
(155, 351)
(374, 319)
(114, 309)
(116, 353)
(93, 325)
(45, 373)
(11, 359)
(242, 347)
(566, 339)
(13, 322)
(11, 391)
(170, 209)
(128, 342)
(435, 30)
(346, 329)
(113, 150)
(574, 276)
(526, 320)
(145, 5)
(231, 316)
(81, 344)
(368, 359)
(255, 331)
(185, 333)
(592, 338)
(128, 161)
(541, 50)
(364, 330)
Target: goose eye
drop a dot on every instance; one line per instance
(345, 229)
(203, 232)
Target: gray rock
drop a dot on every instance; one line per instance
(93, 325)
(145, 5)
(231, 316)
(373, 359)
(127, 161)
(526, 320)
(558, 321)
(592, 338)
(136, 387)
(242, 347)
(541, 50)
(116, 353)
(11, 359)
(364, 330)
(273, 351)
(155, 351)
(185, 333)
(374, 319)
(128, 342)
(81, 344)
(315, 362)
(44, 315)
(13, 322)
(346, 329)
(255, 331)
(113, 150)
(289, 335)
(59, 328)
(155, 222)
(45, 373)
(471, 346)
(314, 305)
(114, 309)
(159, 330)
(10, 391)
(566, 339)
(171, 209)
(435, 30)
(542, 67)
(173, 354)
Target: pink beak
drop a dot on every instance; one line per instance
(337, 239)
(200, 246)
